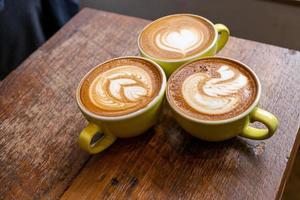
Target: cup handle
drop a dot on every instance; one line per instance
(223, 33)
(265, 117)
(87, 134)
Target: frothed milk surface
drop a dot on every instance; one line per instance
(120, 87)
(212, 89)
(176, 37)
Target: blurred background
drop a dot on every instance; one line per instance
(27, 24)
(273, 22)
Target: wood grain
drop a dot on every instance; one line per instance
(39, 119)
(39, 125)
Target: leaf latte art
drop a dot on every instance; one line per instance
(121, 88)
(216, 95)
(212, 89)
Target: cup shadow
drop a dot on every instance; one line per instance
(170, 142)
(187, 145)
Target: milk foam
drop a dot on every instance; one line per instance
(181, 41)
(121, 88)
(214, 95)
(176, 37)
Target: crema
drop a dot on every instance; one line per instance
(121, 86)
(212, 89)
(176, 37)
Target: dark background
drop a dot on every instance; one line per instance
(272, 22)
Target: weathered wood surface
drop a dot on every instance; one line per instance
(39, 125)
(39, 119)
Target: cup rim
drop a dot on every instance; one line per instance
(183, 59)
(224, 121)
(129, 115)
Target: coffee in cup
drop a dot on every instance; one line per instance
(212, 89)
(120, 87)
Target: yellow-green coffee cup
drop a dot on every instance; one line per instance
(111, 128)
(239, 125)
(219, 41)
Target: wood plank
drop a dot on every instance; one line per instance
(39, 119)
(166, 163)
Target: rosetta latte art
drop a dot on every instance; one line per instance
(214, 95)
(121, 88)
(180, 41)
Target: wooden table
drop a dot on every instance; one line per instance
(40, 123)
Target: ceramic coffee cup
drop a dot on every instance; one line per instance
(112, 127)
(237, 125)
(219, 37)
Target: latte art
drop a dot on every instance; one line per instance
(216, 95)
(121, 88)
(176, 37)
(181, 41)
(212, 89)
